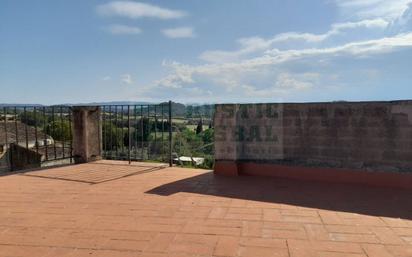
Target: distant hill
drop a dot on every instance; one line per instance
(19, 105)
(113, 103)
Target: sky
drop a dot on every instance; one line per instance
(196, 51)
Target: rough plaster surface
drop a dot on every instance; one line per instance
(374, 136)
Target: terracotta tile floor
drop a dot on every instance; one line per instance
(112, 209)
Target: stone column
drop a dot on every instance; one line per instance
(87, 133)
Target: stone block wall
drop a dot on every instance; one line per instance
(361, 136)
(371, 135)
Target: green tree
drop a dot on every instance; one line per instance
(199, 128)
(33, 119)
(59, 130)
(139, 132)
(208, 140)
(112, 136)
(187, 142)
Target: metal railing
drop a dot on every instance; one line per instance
(137, 132)
(193, 136)
(33, 136)
(165, 132)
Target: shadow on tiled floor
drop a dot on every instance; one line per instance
(99, 172)
(375, 201)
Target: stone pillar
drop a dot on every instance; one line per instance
(87, 133)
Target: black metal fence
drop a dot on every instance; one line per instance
(137, 132)
(165, 132)
(34, 136)
(193, 135)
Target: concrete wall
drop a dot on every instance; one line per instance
(368, 136)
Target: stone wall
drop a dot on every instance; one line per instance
(4, 161)
(22, 158)
(249, 132)
(372, 136)
(87, 133)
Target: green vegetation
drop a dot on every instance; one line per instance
(59, 130)
(190, 143)
(112, 136)
(57, 126)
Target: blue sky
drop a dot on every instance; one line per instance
(205, 51)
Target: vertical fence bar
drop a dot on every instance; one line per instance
(135, 132)
(141, 131)
(25, 127)
(116, 133)
(5, 133)
(26, 133)
(163, 130)
(104, 131)
(122, 130)
(155, 131)
(36, 137)
(128, 132)
(170, 135)
(62, 133)
(5, 125)
(45, 143)
(53, 133)
(17, 134)
(16, 126)
(111, 130)
(99, 130)
(148, 131)
(70, 134)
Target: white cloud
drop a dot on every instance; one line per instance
(254, 44)
(134, 10)
(247, 73)
(404, 22)
(389, 10)
(126, 78)
(123, 30)
(287, 81)
(363, 48)
(106, 78)
(336, 29)
(180, 32)
(266, 67)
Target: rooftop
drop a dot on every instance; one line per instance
(12, 127)
(109, 208)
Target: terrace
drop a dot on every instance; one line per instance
(123, 195)
(148, 128)
(111, 208)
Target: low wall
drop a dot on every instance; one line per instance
(318, 141)
(23, 158)
(4, 161)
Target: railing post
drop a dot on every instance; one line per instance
(170, 135)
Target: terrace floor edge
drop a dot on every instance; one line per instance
(334, 175)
